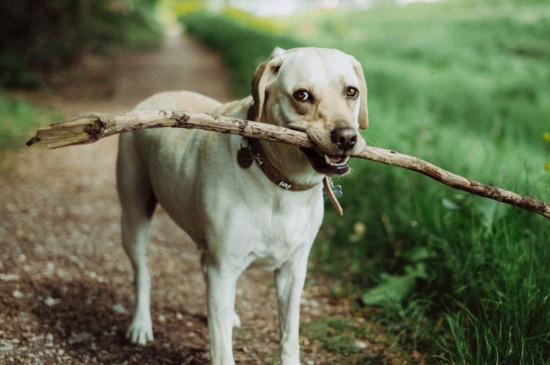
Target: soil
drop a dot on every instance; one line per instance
(65, 283)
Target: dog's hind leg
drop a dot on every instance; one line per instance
(138, 204)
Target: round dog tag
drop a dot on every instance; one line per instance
(245, 157)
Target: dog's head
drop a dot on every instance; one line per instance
(319, 91)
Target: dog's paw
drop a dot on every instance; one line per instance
(236, 320)
(140, 332)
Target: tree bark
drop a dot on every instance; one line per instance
(92, 127)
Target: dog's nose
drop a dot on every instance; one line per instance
(344, 138)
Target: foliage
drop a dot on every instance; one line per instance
(18, 120)
(341, 336)
(181, 8)
(463, 84)
(242, 46)
(41, 37)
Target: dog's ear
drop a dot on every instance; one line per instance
(265, 72)
(363, 109)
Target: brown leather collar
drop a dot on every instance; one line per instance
(271, 171)
(279, 179)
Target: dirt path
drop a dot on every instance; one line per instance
(65, 283)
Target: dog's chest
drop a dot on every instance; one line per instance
(276, 235)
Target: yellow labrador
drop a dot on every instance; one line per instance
(245, 203)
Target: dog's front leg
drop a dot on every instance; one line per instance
(290, 278)
(221, 283)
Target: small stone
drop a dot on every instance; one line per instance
(5, 346)
(80, 337)
(50, 302)
(9, 277)
(119, 308)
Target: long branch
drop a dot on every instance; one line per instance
(92, 127)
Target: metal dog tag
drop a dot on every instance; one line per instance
(337, 190)
(245, 157)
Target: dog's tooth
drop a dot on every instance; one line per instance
(331, 163)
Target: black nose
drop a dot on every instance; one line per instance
(344, 138)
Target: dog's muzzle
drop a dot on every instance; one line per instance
(332, 160)
(330, 165)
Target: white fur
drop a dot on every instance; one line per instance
(236, 216)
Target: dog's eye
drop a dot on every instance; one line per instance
(303, 95)
(352, 92)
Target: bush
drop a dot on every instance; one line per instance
(242, 47)
(41, 37)
(19, 120)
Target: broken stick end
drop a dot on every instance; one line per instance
(32, 141)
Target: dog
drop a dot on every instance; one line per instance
(245, 203)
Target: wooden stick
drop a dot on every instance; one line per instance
(92, 127)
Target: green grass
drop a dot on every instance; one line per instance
(342, 337)
(18, 124)
(241, 46)
(464, 85)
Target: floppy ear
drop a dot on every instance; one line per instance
(363, 110)
(263, 74)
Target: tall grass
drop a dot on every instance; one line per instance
(462, 84)
(242, 46)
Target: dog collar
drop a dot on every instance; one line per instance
(253, 151)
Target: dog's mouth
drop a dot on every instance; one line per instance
(330, 165)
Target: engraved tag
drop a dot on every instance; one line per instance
(245, 157)
(284, 184)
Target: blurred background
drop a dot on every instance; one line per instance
(463, 84)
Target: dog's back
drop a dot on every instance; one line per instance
(140, 173)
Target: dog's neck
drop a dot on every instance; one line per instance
(306, 171)
(288, 160)
(272, 172)
(291, 162)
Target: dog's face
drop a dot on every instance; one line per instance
(319, 91)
